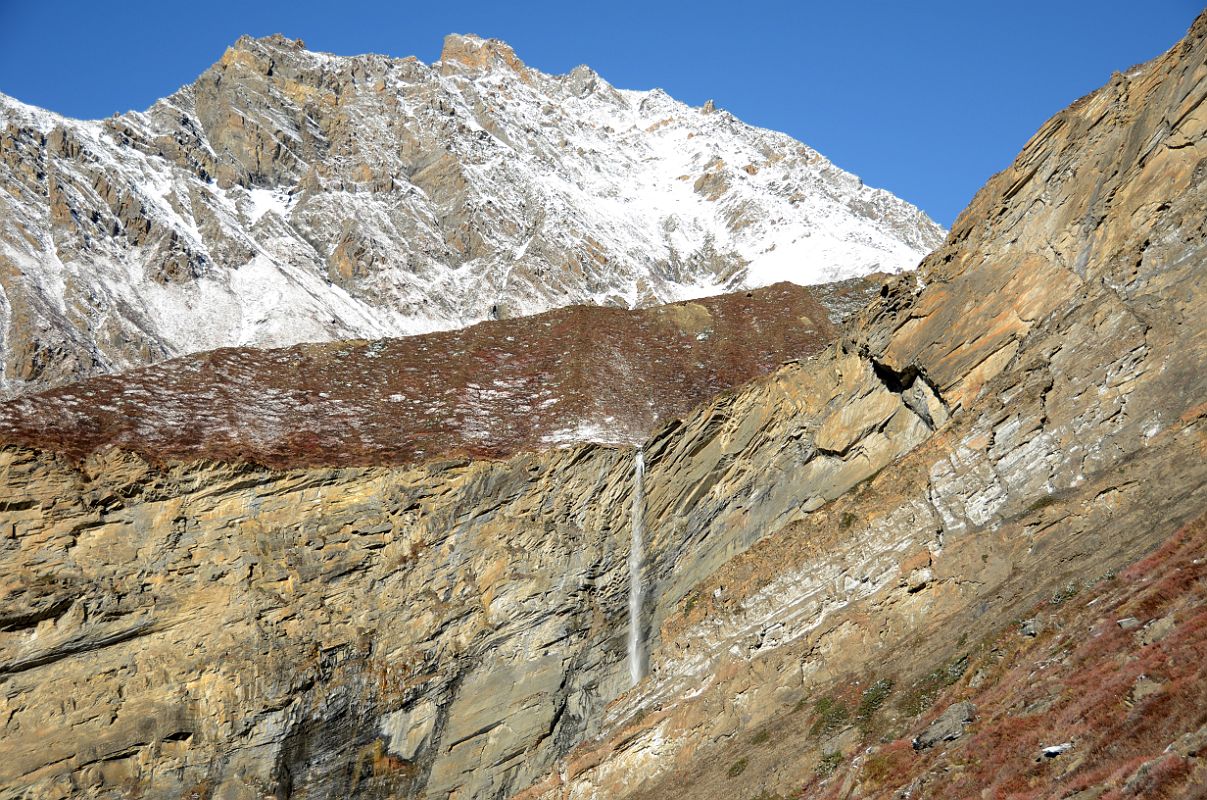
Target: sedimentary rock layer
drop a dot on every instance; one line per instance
(1025, 412)
(1061, 327)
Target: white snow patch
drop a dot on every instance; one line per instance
(265, 200)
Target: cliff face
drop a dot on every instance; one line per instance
(1061, 328)
(324, 616)
(1024, 414)
(287, 196)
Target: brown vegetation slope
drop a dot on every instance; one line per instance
(575, 374)
(1100, 692)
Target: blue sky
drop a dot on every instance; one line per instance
(927, 99)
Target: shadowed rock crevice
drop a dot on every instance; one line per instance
(918, 393)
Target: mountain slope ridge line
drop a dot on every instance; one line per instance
(571, 375)
(1074, 455)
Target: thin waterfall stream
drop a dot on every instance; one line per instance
(636, 559)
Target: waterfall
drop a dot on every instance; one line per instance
(636, 557)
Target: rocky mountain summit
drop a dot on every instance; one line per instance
(957, 552)
(289, 196)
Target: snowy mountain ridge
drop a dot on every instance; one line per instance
(290, 196)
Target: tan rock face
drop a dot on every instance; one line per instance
(1059, 326)
(476, 54)
(372, 598)
(1025, 413)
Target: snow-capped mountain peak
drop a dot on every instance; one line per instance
(291, 196)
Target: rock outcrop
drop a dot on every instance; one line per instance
(949, 726)
(287, 196)
(1059, 328)
(483, 603)
(825, 546)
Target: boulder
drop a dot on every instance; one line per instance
(950, 726)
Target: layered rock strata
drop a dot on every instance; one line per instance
(1025, 412)
(1060, 328)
